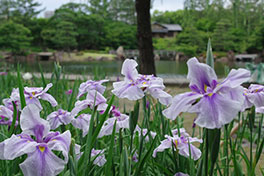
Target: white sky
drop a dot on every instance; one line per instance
(162, 5)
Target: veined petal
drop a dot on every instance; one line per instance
(49, 98)
(82, 122)
(165, 144)
(127, 90)
(85, 87)
(163, 97)
(200, 74)
(237, 77)
(181, 103)
(16, 146)
(129, 69)
(42, 162)
(100, 158)
(59, 117)
(79, 106)
(256, 98)
(61, 143)
(185, 151)
(215, 111)
(32, 124)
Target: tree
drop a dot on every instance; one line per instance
(144, 36)
(222, 38)
(120, 34)
(65, 37)
(99, 7)
(25, 10)
(123, 10)
(14, 37)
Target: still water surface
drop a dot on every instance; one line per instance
(113, 68)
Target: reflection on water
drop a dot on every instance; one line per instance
(113, 68)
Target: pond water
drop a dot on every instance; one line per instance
(113, 68)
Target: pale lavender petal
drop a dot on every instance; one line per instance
(200, 74)
(184, 150)
(32, 124)
(95, 98)
(181, 103)
(42, 162)
(127, 90)
(256, 98)
(144, 132)
(129, 69)
(82, 122)
(260, 110)
(16, 146)
(163, 97)
(61, 143)
(49, 98)
(59, 117)
(215, 111)
(237, 77)
(165, 144)
(85, 87)
(182, 132)
(79, 106)
(6, 115)
(77, 150)
(100, 157)
(33, 100)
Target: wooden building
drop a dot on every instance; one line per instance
(165, 30)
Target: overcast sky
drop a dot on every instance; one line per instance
(161, 5)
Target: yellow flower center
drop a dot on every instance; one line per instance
(42, 149)
(175, 143)
(33, 93)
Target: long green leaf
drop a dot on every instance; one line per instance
(21, 88)
(110, 153)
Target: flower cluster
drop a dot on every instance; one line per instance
(181, 143)
(215, 102)
(136, 85)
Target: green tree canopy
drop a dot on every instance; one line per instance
(14, 37)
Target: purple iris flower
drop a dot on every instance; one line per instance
(216, 103)
(92, 98)
(182, 144)
(6, 116)
(136, 85)
(91, 85)
(182, 132)
(135, 157)
(59, 117)
(144, 133)
(99, 157)
(122, 121)
(68, 92)
(254, 96)
(33, 94)
(3, 73)
(41, 160)
(82, 122)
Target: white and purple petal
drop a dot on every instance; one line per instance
(181, 103)
(32, 124)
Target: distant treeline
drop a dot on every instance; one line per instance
(236, 25)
